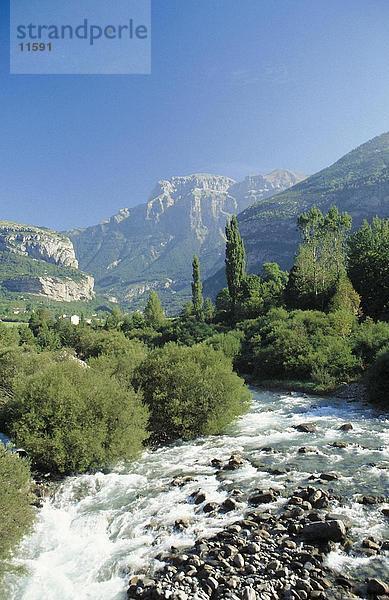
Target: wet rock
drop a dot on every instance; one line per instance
(210, 507)
(324, 531)
(344, 582)
(329, 476)
(370, 500)
(238, 561)
(346, 427)
(181, 524)
(216, 462)
(306, 427)
(307, 449)
(339, 445)
(249, 594)
(228, 505)
(235, 462)
(198, 497)
(377, 587)
(262, 498)
(181, 481)
(371, 543)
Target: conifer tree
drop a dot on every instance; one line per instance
(197, 289)
(235, 260)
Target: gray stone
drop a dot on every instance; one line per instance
(324, 531)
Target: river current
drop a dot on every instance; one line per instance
(100, 528)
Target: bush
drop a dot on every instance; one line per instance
(71, 419)
(190, 391)
(378, 379)
(304, 345)
(120, 361)
(368, 339)
(15, 501)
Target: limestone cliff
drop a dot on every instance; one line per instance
(41, 262)
(53, 288)
(39, 243)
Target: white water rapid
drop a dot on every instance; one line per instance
(97, 529)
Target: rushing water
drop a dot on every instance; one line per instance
(99, 528)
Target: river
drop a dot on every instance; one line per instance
(99, 528)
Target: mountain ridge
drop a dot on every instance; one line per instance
(151, 245)
(357, 182)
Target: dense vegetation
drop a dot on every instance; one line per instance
(84, 397)
(15, 503)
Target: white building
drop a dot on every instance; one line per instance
(75, 320)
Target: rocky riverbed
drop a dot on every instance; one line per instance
(269, 554)
(290, 503)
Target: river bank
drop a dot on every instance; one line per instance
(100, 530)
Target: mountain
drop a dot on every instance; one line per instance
(151, 246)
(357, 183)
(41, 262)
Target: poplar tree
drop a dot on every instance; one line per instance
(235, 260)
(197, 289)
(154, 313)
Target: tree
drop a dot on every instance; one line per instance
(209, 310)
(190, 391)
(235, 261)
(321, 258)
(368, 267)
(197, 289)
(345, 297)
(154, 313)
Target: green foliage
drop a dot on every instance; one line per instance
(229, 343)
(197, 289)
(154, 313)
(72, 419)
(208, 310)
(368, 267)
(187, 331)
(321, 259)
(369, 339)
(223, 306)
(235, 260)
(345, 297)
(190, 391)
(303, 345)
(378, 379)
(120, 360)
(15, 502)
(9, 336)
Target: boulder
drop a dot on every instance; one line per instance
(377, 587)
(346, 427)
(306, 427)
(324, 531)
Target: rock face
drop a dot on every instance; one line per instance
(151, 246)
(38, 243)
(54, 288)
(41, 262)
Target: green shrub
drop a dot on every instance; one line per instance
(229, 343)
(378, 379)
(120, 362)
(15, 502)
(190, 391)
(304, 345)
(71, 419)
(368, 339)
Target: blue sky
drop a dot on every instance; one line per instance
(237, 87)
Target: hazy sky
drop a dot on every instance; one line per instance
(237, 87)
